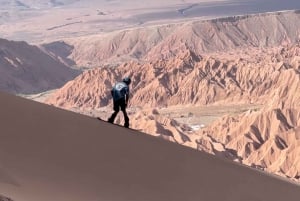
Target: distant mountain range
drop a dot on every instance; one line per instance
(164, 41)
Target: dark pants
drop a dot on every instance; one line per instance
(121, 103)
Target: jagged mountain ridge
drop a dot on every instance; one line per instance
(186, 79)
(205, 36)
(269, 140)
(26, 69)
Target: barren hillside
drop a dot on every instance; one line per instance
(164, 41)
(266, 138)
(256, 76)
(237, 60)
(26, 69)
(269, 138)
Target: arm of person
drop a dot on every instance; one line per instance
(127, 97)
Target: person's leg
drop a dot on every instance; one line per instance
(116, 110)
(126, 118)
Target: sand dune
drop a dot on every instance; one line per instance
(2, 198)
(51, 154)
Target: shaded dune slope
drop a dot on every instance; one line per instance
(27, 69)
(2, 198)
(51, 154)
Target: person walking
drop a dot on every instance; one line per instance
(120, 95)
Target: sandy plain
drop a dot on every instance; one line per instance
(44, 21)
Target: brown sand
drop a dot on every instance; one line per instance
(50, 154)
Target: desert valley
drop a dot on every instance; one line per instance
(218, 77)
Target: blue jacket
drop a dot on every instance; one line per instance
(119, 91)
